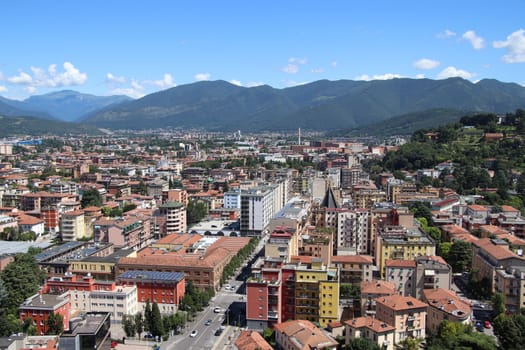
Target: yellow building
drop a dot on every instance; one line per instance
(401, 243)
(317, 293)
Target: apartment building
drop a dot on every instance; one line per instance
(353, 269)
(444, 304)
(370, 328)
(38, 307)
(281, 292)
(401, 243)
(131, 232)
(73, 226)
(370, 290)
(406, 314)
(170, 218)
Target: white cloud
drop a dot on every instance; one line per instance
(334, 64)
(426, 63)
(291, 83)
(451, 72)
(21, 78)
(290, 68)
(420, 76)
(51, 78)
(515, 45)
(297, 60)
(255, 83)
(31, 90)
(1, 76)
(385, 76)
(476, 41)
(317, 70)
(236, 82)
(135, 90)
(446, 34)
(112, 79)
(202, 76)
(3, 88)
(164, 83)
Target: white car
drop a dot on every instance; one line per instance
(194, 333)
(217, 310)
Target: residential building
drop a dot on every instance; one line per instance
(353, 269)
(370, 328)
(490, 255)
(370, 290)
(164, 288)
(401, 243)
(38, 307)
(282, 243)
(170, 218)
(510, 282)
(402, 274)
(131, 232)
(302, 334)
(444, 304)
(232, 199)
(406, 314)
(73, 226)
(257, 209)
(281, 292)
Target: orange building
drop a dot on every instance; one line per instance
(40, 306)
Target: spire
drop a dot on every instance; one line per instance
(329, 200)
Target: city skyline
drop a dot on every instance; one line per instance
(117, 47)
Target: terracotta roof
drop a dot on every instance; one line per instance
(498, 252)
(511, 238)
(447, 301)
(371, 323)
(353, 259)
(477, 207)
(251, 340)
(508, 208)
(454, 229)
(24, 219)
(467, 237)
(400, 263)
(378, 287)
(435, 258)
(305, 334)
(399, 302)
(493, 230)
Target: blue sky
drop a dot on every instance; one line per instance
(139, 47)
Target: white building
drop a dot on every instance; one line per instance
(232, 200)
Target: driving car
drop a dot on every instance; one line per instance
(194, 333)
(217, 310)
(208, 322)
(218, 331)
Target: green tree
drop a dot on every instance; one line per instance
(29, 327)
(509, 330)
(147, 316)
(498, 304)
(444, 250)
(91, 197)
(460, 256)
(128, 324)
(196, 211)
(409, 344)
(139, 323)
(55, 324)
(156, 324)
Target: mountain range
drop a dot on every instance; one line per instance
(321, 105)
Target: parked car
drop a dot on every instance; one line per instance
(217, 310)
(149, 336)
(487, 324)
(218, 331)
(194, 333)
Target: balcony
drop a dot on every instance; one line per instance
(273, 315)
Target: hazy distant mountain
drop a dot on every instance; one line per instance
(13, 108)
(321, 105)
(13, 126)
(71, 105)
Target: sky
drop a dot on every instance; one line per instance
(135, 47)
